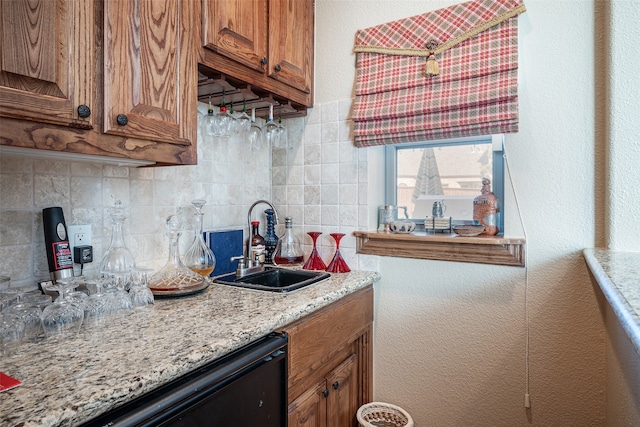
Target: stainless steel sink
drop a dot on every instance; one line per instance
(274, 279)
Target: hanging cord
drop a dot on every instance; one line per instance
(527, 401)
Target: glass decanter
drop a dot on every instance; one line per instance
(288, 252)
(338, 264)
(199, 257)
(174, 276)
(117, 260)
(314, 262)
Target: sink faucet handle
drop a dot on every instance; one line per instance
(239, 258)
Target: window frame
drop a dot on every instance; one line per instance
(498, 170)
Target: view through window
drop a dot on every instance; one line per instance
(448, 171)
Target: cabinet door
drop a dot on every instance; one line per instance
(310, 408)
(237, 29)
(342, 400)
(150, 70)
(291, 42)
(47, 53)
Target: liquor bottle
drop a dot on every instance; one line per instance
(257, 247)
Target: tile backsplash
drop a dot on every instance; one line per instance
(319, 178)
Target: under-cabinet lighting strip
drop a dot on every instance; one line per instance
(72, 157)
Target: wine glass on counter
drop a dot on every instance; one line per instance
(314, 262)
(338, 264)
(140, 293)
(62, 315)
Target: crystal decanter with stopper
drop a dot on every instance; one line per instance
(175, 277)
(117, 261)
(288, 252)
(199, 257)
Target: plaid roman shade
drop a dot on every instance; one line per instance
(448, 73)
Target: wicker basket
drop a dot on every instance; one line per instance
(379, 414)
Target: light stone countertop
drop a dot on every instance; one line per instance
(618, 274)
(72, 379)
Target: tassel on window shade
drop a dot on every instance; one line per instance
(448, 73)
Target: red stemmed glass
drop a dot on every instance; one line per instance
(314, 262)
(338, 264)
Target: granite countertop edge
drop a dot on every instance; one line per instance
(69, 382)
(618, 274)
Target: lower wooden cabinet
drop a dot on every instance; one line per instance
(330, 363)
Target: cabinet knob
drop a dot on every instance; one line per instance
(278, 68)
(325, 393)
(264, 61)
(84, 111)
(122, 120)
(335, 385)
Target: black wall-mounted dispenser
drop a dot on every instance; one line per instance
(56, 240)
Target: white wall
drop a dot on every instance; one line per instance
(450, 337)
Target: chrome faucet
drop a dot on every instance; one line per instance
(248, 265)
(266, 202)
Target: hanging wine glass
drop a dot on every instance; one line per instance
(314, 262)
(338, 264)
(282, 134)
(199, 257)
(209, 121)
(255, 132)
(271, 129)
(244, 121)
(222, 121)
(234, 127)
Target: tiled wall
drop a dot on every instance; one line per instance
(319, 179)
(322, 179)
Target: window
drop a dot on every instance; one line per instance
(418, 174)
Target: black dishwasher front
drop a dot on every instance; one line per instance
(246, 388)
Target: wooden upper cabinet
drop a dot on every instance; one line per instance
(47, 57)
(237, 29)
(291, 42)
(150, 70)
(265, 43)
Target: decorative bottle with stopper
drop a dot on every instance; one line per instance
(270, 237)
(486, 209)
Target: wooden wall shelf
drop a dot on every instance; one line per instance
(495, 250)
